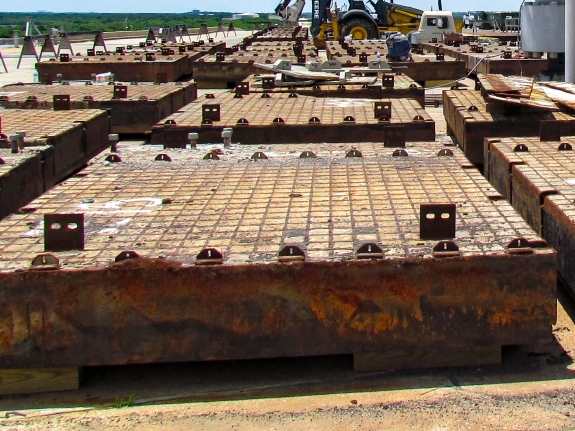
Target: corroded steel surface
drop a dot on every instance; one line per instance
(162, 307)
(540, 178)
(128, 67)
(236, 65)
(424, 67)
(470, 119)
(21, 177)
(491, 60)
(263, 127)
(144, 105)
(75, 137)
(403, 88)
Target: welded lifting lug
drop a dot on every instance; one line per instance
(382, 109)
(63, 232)
(61, 102)
(472, 108)
(113, 158)
(353, 153)
(163, 158)
(349, 120)
(291, 253)
(437, 221)
(400, 153)
(278, 120)
(44, 262)
(369, 250)
(341, 87)
(211, 112)
(210, 96)
(211, 156)
(143, 98)
(519, 246)
(565, 146)
(170, 122)
(242, 122)
(445, 152)
(292, 96)
(207, 123)
(446, 249)
(266, 96)
(209, 256)
(268, 83)
(521, 148)
(394, 136)
(258, 155)
(126, 255)
(238, 96)
(305, 155)
(120, 92)
(418, 118)
(314, 120)
(388, 81)
(88, 99)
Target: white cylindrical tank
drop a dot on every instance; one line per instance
(543, 26)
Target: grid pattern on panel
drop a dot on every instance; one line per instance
(248, 210)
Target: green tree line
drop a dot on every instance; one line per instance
(88, 22)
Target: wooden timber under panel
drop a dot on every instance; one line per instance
(538, 178)
(239, 257)
(75, 136)
(284, 119)
(403, 88)
(133, 109)
(128, 67)
(470, 120)
(491, 60)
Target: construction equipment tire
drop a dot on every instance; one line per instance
(359, 29)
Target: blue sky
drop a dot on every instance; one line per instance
(178, 6)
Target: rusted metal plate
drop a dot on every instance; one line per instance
(251, 302)
(144, 67)
(403, 88)
(424, 67)
(541, 189)
(285, 118)
(75, 136)
(280, 34)
(235, 66)
(21, 177)
(492, 59)
(470, 120)
(145, 103)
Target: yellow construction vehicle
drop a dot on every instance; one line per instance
(359, 22)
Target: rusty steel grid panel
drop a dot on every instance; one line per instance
(539, 180)
(404, 88)
(129, 67)
(21, 177)
(492, 60)
(249, 303)
(75, 136)
(285, 118)
(144, 106)
(470, 120)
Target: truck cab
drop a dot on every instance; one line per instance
(434, 24)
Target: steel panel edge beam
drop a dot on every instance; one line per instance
(155, 310)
